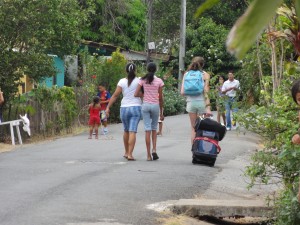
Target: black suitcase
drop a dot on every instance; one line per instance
(206, 147)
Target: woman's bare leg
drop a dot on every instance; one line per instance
(126, 140)
(154, 140)
(131, 144)
(148, 144)
(193, 117)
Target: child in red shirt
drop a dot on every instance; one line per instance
(104, 96)
(94, 121)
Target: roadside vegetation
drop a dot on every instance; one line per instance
(265, 60)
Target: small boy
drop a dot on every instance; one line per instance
(104, 96)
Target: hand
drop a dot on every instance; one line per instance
(296, 139)
(161, 117)
(107, 112)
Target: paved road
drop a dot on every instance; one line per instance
(76, 181)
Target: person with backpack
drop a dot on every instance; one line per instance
(152, 107)
(195, 87)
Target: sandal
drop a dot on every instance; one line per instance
(130, 159)
(155, 156)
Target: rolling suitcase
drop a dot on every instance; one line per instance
(206, 147)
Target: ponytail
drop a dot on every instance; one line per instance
(130, 70)
(149, 77)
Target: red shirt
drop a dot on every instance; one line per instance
(104, 96)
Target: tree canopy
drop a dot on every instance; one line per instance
(29, 31)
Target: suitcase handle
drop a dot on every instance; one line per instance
(209, 140)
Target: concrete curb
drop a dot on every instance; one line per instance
(221, 208)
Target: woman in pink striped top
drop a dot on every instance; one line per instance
(152, 107)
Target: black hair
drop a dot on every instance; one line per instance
(217, 81)
(295, 89)
(149, 77)
(130, 70)
(96, 100)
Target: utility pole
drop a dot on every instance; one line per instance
(182, 43)
(149, 27)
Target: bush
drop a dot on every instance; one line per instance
(174, 103)
(276, 122)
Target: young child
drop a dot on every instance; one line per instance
(296, 137)
(94, 121)
(104, 96)
(220, 99)
(160, 126)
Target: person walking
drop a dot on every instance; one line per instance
(104, 96)
(94, 121)
(200, 103)
(230, 88)
(1, 105)
(152, 107)
(130, 110)
(296, 137)
(220, 98)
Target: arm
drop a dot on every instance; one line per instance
(113, 99)
(206, 92)
(1, 97)
(224, 90)
(182, 89)
(108, 97)
(161, 103)
(138, 91)
(296, 137)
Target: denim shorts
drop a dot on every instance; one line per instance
(196, 106)
(130, 117)
(150, 116)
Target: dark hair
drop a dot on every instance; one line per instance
(149, 77)
(103, 85)
(130, 70)
(197, 63)
(295, 89)
(217, 81)
(96, 100)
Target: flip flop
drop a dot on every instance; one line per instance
(154, 156)
(125, 156)
(130, 159)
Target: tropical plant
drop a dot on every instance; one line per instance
(29, 31)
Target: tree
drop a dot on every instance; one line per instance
(117, 22)
(29, 31)
(207, 39)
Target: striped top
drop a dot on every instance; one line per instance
(151, 90)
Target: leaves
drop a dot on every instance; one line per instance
(205, 6)
(247, 28)
(29, 31)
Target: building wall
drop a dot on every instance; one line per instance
(59, 78)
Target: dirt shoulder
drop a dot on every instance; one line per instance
(40, 139)
(6, 147)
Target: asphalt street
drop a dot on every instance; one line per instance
(77, 181)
